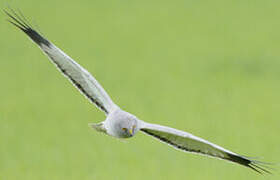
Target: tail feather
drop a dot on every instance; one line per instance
(98, 127)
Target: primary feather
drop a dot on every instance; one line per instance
(118, 120)
(190, 143)
(79, 76)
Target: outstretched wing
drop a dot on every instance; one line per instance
(190, 143)
(79, 76)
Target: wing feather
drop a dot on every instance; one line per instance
(79, 76)
(190, 143)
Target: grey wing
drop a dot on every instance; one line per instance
(79, 76)
(190, 143)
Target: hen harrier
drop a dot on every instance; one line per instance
(120, 123)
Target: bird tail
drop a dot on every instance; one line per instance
(98, 127)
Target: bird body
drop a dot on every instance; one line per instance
(119, 123)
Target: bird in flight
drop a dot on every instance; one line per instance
(119, 123)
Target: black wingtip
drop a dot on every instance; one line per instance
(257, 166)
(18, 20)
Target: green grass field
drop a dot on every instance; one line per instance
(211, 68)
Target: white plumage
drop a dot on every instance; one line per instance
(119, 123)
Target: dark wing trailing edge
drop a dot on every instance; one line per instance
(190, 143)
(79, 76)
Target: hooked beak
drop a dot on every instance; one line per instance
(130, 132)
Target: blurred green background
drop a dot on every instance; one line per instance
(211, 68)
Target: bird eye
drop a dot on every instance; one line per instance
(124, 129)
